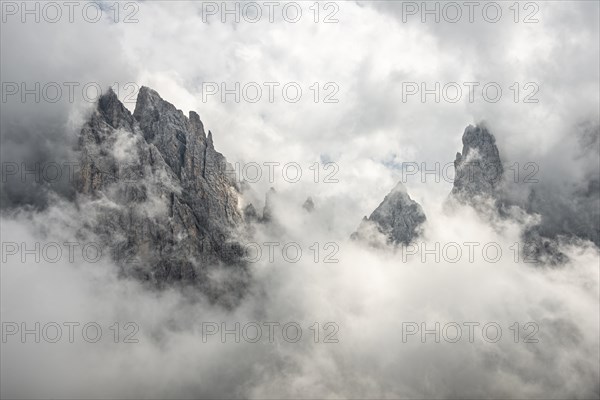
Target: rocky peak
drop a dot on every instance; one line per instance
(149, 99)
(196, 125)
(479, 174)
(113, 111)
(163, 125)
(172, 208)
(398, 218)
(478, 169)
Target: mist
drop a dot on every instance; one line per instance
(367, 315)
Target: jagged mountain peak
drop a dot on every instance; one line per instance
(196, 124)
(478, 133)
(148, 95)
(113, 111)
(400, 188)
(398, 218)
(107, 99)
(173, 207)
(150, 102)
(478, 168)
(479, 177)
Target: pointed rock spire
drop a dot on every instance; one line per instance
(113, 110)
(196, 124)
(478, 169)
(398, 218)
(171, 206)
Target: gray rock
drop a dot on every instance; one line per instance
(309, 204)
(478, 168)
(479, 177)
(250, 213)
(162, 201)
(398, 218)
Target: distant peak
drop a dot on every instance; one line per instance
(398, 218)
(477, 134)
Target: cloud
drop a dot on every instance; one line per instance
(369, 295)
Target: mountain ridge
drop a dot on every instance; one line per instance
(172, 208)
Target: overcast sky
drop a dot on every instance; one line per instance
(370, 54)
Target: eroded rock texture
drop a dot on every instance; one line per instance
(163, 202)
(398, 218)
(478, 168)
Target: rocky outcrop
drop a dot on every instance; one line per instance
(478, 169)
(162, 201)
(398, 218)
(250, 213)
(479, 178)
(190, 153)
(309, 205)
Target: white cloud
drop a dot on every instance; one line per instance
(368, 54)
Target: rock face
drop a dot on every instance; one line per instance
(478, 168)
(570, 215)
(162, 201)
(398, 218)
(479, 176)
